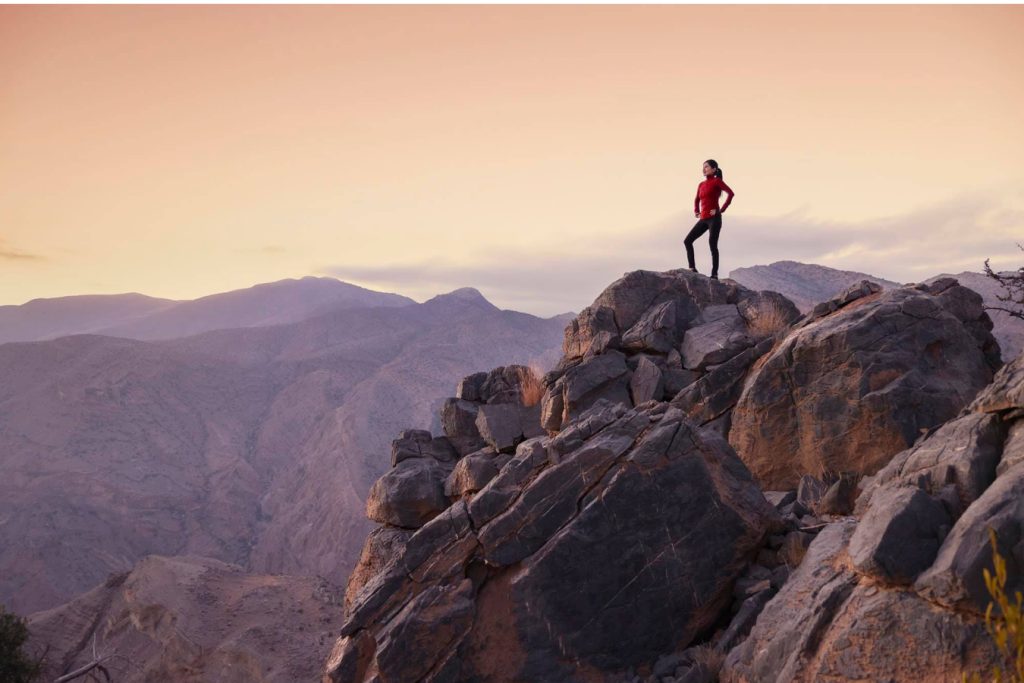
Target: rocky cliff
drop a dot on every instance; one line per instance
(703, 463)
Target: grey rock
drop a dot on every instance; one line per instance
(963, 452)
(469, 387)
(715, 342)
(473, 472)
(409, 494)
(458, 420)
(500, 425)
(900, 535)
(656, 331)
(955, 578)
(646, 383)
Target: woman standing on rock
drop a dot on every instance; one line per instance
(705, 207)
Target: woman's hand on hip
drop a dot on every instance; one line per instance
(712, 212)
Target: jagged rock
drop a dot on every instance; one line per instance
(656, 331)
(473, 472)
(840, 497)
(646, 382)
(469, 387)
(458, 420)
(1006, 393)
(715, 341)
(407, 445)
(500, 426)
(435, 620)
(530, 458)
(780, 499)
(409, 494)
(713, 396)
(790, 627)
(964, 452)
(955, 579)
(824, 625)
(381, 545)
(1013, 448)
(677, 379)
(552, 406)
(606, 376)
(504, 384)
(848, 389)
(850, 294)
(900, 535)
(583, 331)
(563, 536)
(741, 624)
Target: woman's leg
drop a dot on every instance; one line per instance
(696, 231)
(716, 228)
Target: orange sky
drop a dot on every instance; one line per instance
(533, 152)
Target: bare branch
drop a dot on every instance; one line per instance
(1013, 290)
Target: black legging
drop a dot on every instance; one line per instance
(703, 225)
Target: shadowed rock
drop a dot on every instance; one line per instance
(900, 535)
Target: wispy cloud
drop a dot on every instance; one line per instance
(956, 235)
(9, 253)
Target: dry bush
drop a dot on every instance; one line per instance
(530, 387)
(1007, 626)
(710, 658)
(769, 321)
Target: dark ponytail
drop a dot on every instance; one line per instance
(714, 165)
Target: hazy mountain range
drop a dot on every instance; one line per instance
(137, 316)
(252, 445)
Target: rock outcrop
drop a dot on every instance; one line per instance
(614, 534)
(861, 378)
(592, 552)
(911, 569)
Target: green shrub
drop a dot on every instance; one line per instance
(15, 666)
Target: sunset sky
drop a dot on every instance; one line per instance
(533, 152)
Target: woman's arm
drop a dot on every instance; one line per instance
(728, 199)
(696, 201)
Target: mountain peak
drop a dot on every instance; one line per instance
(463, 296)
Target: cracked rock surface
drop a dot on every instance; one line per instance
(590, 553)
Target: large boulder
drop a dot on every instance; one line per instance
(860, 379)
(623, 536)
(409, 494)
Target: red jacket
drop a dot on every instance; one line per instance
(707, 197)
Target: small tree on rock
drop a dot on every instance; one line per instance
(1013, 290)
(15, 665)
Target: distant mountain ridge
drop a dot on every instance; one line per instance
(806, 284)
(136, 316)
(251, 445)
